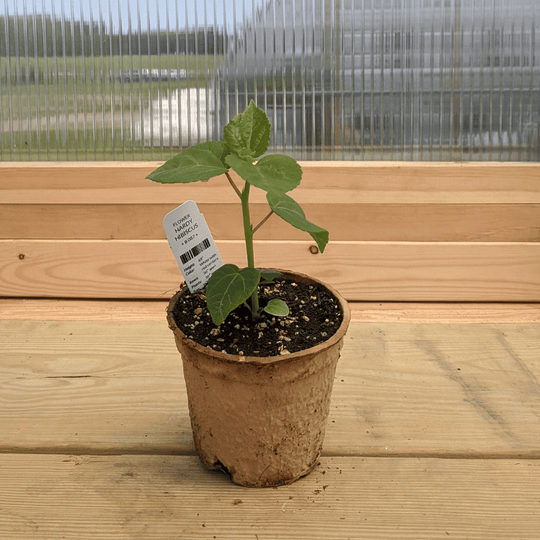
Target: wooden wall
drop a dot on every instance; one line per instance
(398, 231)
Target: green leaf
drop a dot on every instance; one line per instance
(274, 174)
(277, 307)
(248, 133)
(268, 276)
(228, 288)
(289, 210)
(199, 162)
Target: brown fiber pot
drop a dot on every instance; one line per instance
(262, 419)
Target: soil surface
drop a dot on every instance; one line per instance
(314, 316)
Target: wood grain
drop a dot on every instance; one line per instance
(22, 309)
(378, 214)
(346, 221)
(361, 271)
(95, 438)
(431, 390)
(355, 182)
(161, 497)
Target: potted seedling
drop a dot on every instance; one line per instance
(259, 346)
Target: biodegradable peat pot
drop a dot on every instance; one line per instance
(262, 419)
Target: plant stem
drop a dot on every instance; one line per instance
(248, 235)
(263, 221)
(248, 230)
(233, 184)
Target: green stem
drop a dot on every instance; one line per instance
(248, 235)
(233, 184)
(263, 221)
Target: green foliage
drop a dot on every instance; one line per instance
(289, 210)
(277, 307)
(228, 288)
(268, 276)
(200, 162)
(248, 134)
(246, 138)
(274, 174)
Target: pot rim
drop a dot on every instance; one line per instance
(265, 360)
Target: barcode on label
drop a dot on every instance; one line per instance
(194, 251)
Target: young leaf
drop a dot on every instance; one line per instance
(274, 174)
(289, 210)
(277, 307)
(199, 162)
(228, 288)
(248, 133)
(268, 276)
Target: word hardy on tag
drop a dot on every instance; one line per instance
(192, 244)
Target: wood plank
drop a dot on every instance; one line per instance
(333, 182)
(432, 390)
(92, 391)
(157, 497)
(345, 221)
(421, 312)
(28, 309)
(22, 309)
(361, 271)
(460, 384)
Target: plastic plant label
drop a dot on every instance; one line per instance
(192, 244)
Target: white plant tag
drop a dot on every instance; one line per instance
(192, 244)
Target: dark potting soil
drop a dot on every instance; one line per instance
(314, 316)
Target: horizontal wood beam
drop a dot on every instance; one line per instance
(361, 271)
(369, 222)
(399, 231)
(327, 182)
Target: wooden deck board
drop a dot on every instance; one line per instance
(60, 309)
(434, 429)
(361, 271)
(401, 389)
(443, 232)
(361, 182)
(165, 497)
(402, 222)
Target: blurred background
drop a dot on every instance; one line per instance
(413, 80)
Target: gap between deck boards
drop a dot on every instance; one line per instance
(154, 310)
